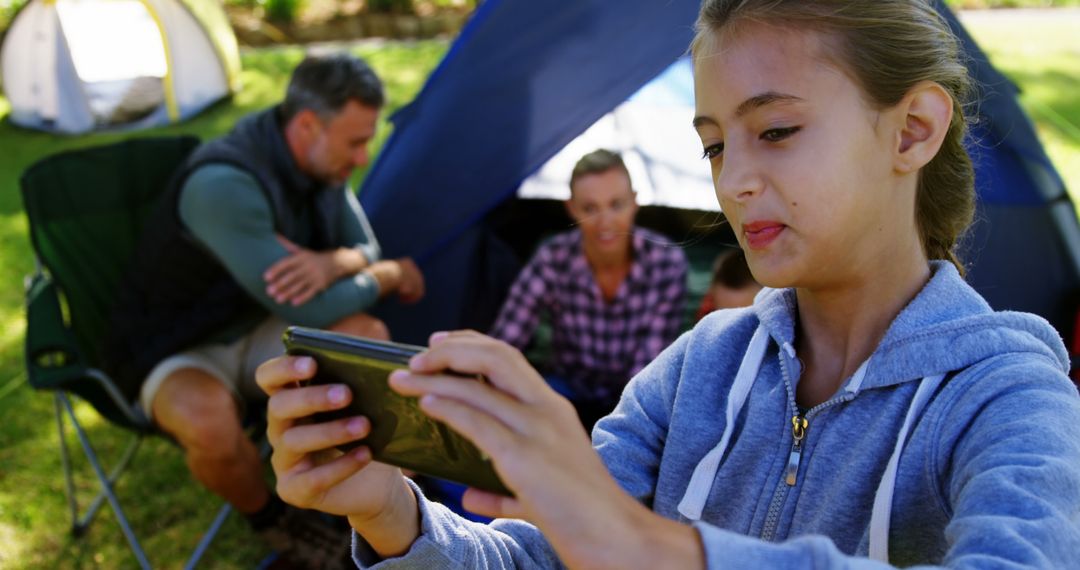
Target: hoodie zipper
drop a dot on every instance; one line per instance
(798, 432)
(799, 425)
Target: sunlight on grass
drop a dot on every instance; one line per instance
(1047, 67)
(15, 263)
(11, 548)
(87, 416)
(12, 326)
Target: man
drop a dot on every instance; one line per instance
(259, 230)
(613, 292)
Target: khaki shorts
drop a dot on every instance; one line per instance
(232, 364)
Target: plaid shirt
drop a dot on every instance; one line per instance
(598, 346)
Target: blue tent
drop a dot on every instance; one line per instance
(526, 77)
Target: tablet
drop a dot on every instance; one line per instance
(401, 434)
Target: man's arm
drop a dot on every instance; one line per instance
(520, 313)
(304, 273)
(226, 211)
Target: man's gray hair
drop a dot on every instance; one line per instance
(324, 84)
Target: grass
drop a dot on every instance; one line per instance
(1042, 55)
(167, 508)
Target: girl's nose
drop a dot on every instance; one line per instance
(738, 179)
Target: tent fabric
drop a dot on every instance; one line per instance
(652, 131)
(526, 77)
(73, 66)
(1023, 250)
(521, 81)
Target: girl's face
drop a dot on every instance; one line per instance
(801, 162)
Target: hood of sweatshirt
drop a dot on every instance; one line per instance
(946, 327)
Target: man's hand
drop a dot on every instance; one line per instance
(305, 273)
(411, 289)
(398, 276)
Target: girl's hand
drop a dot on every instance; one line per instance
(313, 474)
(537, 445)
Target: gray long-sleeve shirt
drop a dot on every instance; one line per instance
(225, 209)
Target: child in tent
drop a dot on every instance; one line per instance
(869, 410)
(732, 284)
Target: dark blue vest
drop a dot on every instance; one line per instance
(176, 294)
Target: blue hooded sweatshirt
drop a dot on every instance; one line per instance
(986, 473)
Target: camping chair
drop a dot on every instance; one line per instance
(86, 209)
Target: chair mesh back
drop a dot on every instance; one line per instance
(86, 210)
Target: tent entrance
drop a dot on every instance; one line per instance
(75, 66)
(122, 75)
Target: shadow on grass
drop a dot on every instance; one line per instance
(168, 509)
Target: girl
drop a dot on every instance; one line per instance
(868, 409)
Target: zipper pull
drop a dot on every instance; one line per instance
(798, 432)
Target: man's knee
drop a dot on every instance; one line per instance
(362, 325)
(199, 411)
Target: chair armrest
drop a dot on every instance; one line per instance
(54, 361)
(52, 356)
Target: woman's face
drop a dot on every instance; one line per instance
(801, 162)
(603, 206)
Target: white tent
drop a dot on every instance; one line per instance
(73, 66)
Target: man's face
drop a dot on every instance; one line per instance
(339, 145)
(603, 206)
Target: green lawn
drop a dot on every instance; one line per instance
(1041, 54)
(167, 508)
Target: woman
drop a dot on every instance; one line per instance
(869, 409)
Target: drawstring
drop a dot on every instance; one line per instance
(701, 481)
(879, 517)
(697, 492)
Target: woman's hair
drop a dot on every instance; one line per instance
(888, 46)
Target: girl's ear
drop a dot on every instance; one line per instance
(926, 113)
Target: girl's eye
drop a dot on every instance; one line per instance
(777, 135)
(713, 151)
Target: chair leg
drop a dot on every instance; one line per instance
(117, 471)
(76, 527)
(106, 481)
(219, 520)
(208, 536)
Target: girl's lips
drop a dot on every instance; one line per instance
(760, 234)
